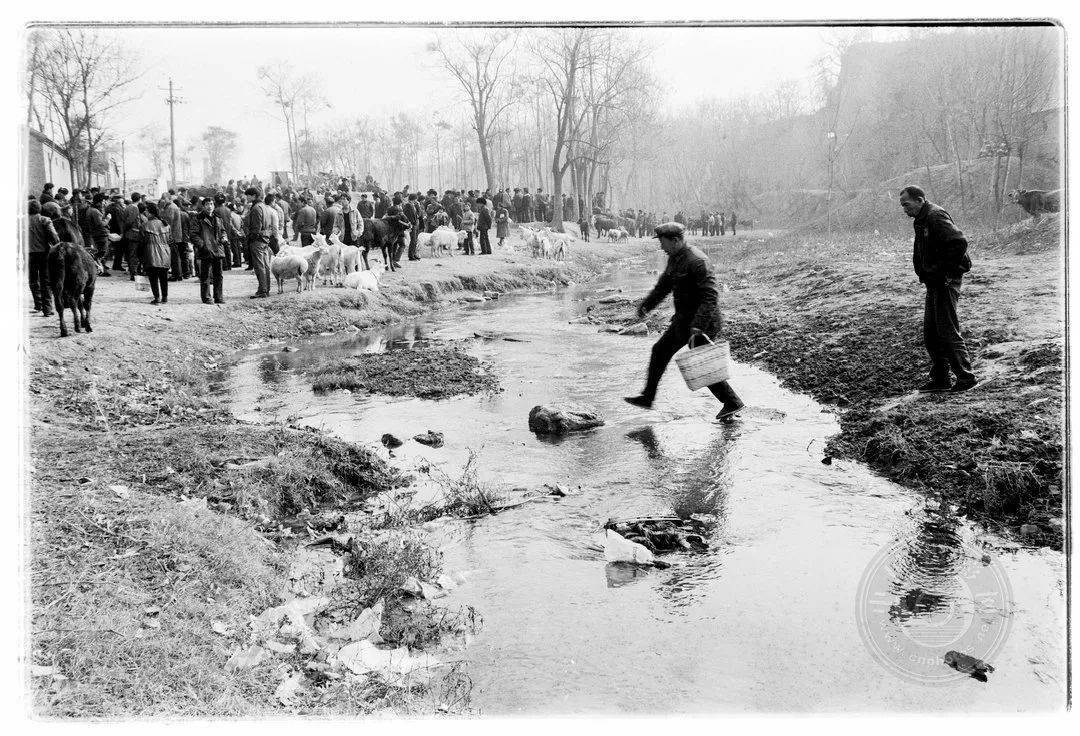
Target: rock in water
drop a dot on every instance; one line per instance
(431, 439)
(390, 441)
(562, 418)
(968, 665)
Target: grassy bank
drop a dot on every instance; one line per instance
(841, 320)
(158, 524)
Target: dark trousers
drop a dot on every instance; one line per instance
(210, 273)
(671, 342)
(485, 243)
(414, 235)
(38, 268)
(131, 254)
(178, 259)
(470, 249)
(159, 282)
(941, 333)
(399, 246)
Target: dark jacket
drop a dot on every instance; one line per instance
(95, 226)
(170, 215)
(42, 234)
(689, 278)
(483, 218)
(330, 220)
(258, 224)
(131, 222)
(208, 234)
(224, 214)
(306, 220)
(366, 208)
(940, 249)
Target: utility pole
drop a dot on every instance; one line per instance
(172, 101)
(123, 163)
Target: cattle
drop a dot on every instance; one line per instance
(1036, 201)
(382, 233)
(288, 266)
(603, 224)
(618, 235)
(72, 275)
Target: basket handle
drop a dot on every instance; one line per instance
(690, 342)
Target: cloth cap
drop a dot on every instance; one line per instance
(670, 230)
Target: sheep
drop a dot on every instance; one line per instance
(532, 239)
(362, 280)
(330, 264)
(314, 258)
(288, 267)
(350, 258)
(443, 238)
(424, 241)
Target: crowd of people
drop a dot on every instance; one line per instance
(204, 231)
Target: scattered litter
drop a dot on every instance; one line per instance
(365, 626)
(667, 534)
(363, 657)
(121, 491)
(287, 689)
(412, 587)
(281, 648)
(246, 658)
(618, 549)
(219, 627)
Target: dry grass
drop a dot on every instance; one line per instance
(115, 562)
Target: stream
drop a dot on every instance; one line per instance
(768, 619)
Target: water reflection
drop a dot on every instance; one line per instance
(927, 573)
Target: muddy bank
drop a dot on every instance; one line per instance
(849, 333)
(164, 522)
(428, 373)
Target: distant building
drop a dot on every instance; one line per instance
(47, 162)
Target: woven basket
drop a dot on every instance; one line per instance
(706, 364)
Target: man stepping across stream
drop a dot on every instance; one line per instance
(689, 279)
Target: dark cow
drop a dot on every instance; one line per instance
(1037, 201)
(72, 273)
(382, 233)
(603, 224)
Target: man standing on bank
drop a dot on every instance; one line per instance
(689, 278)
(941, 260)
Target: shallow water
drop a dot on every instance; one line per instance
(767, 619)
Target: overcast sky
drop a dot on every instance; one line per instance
(380, 71)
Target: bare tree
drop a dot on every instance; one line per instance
(482, 67)
(220, 144)
(294, 96)
(84, 77)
